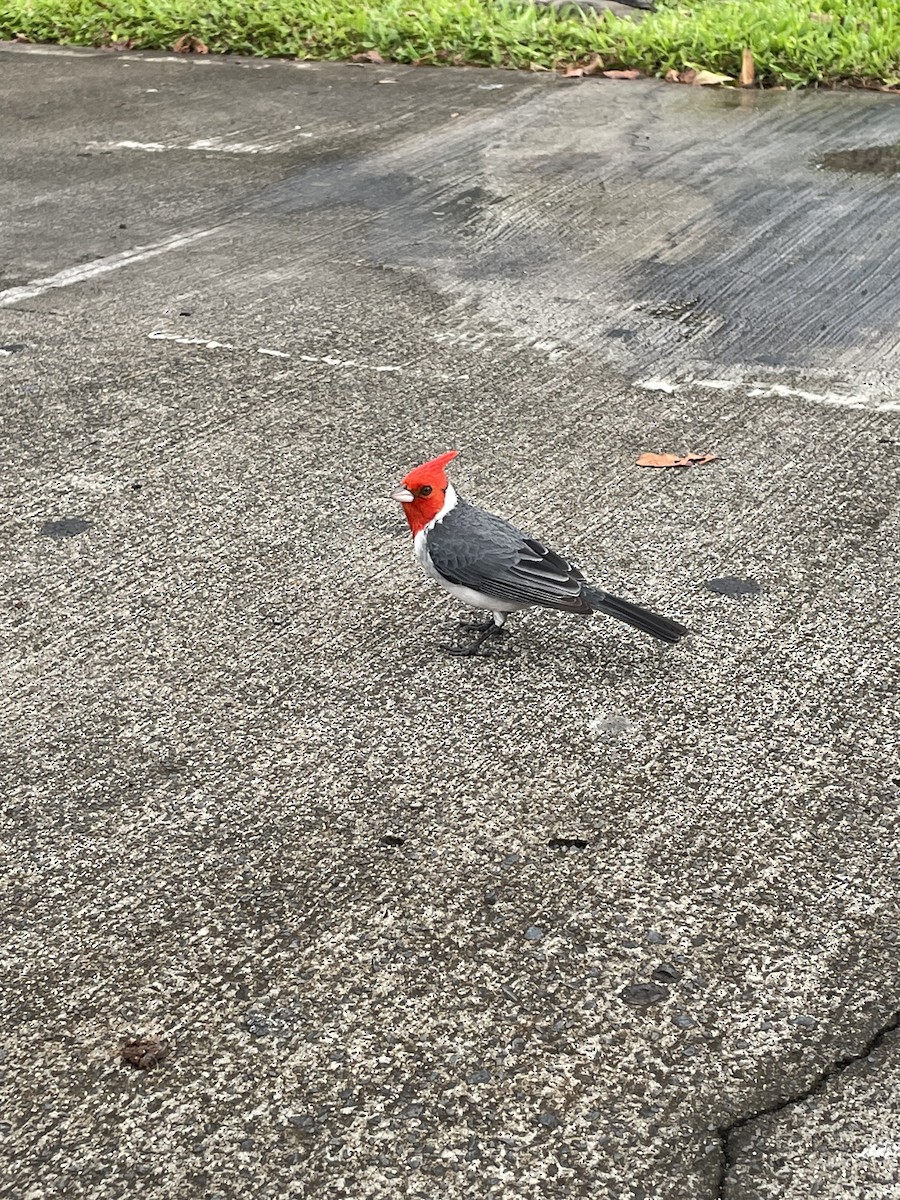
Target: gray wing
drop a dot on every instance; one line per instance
(475, 549)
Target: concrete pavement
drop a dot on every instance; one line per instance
(591, 918)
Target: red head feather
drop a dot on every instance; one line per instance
(426, 486)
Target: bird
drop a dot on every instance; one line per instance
(487, 563)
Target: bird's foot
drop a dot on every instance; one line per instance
(478, 626)
(473, 649)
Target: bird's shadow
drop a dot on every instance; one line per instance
(534, 644)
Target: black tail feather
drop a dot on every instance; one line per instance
(633, 614)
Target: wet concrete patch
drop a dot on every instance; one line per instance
(731, 585)
(65, 527)
(678, 233)
(869, 160)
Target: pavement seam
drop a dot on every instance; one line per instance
(728, 1154)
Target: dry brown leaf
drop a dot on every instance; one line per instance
(581, 69)
(367, 56)
(827, 18)
(144, 1053)
(674, 460)
(748, 69)
(633, 73)
(188, 44)
(660, 460)
(698, 78)
(698, 460)
(710, 79)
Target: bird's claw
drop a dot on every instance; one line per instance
(473, 649)
(469, 651)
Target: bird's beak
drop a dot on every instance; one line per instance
(404, 495)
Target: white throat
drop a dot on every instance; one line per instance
(450, 502)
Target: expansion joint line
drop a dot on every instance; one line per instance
(726, 1133)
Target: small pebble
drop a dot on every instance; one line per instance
(257, 1025)
(684, 1021)
(665, 973)
(642, 995)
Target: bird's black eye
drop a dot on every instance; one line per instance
(426, 490)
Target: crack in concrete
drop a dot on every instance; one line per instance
(728, 1155)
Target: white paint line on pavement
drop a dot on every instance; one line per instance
(101, 266)
(880, 1150)
(325, 360)
(159, 335)
(328, 360)
(657, 385)
(758, 390)
(227, 143)
(832, 399)
(208, 145)
(207, 343)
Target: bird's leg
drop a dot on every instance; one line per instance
(472, 648)
(484, 630)
(478, 626)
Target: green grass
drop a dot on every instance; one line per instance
(793, 42)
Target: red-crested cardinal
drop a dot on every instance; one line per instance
(487, 563)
